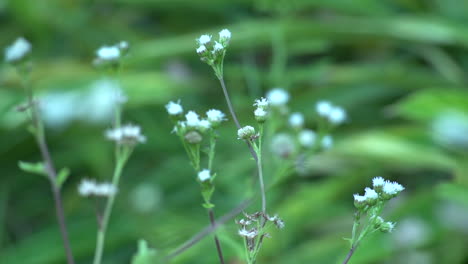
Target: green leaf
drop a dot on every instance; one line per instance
(62, 176)
(35, 168)
(145, 255)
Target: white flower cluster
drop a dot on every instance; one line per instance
(210, 50)
(261, 111)
(204, 175)
(126, 135)
(92, 188)
(18, 50)
(174, 108)
(247, 133)
(383, 190)
(111, 53)
(334, 114)
(249, 227)
(192, 120)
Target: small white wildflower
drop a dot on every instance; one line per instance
(307, 138)
(296, 120)
(192, 119)
(378, 182)
(246, 132)
(224, 35)
(248, 234)
(201, 49)
(359, 198)
(16, 51)
(91, 188)
(323, 108)
(337, 115)
(123, 45)
(278, 96)
(204, 175)
(174, 108)
(215, 116)
(108, 53)
(204, 39)
(370, 194)
(204, 124)
(261, 103)
(327, 142)
(282, 145)
(392, 188)
(218, 46)
(244, 222)
(127, 134)
(260, 114)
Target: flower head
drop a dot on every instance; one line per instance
(225, 35)
(126, 135)
(323, 108)
(307, 138)
(327, 142)
(217, 46)
(378, 182)
(201, 49)
(370, 194)
(204, 125)
(108, 53)
(215, 117)
(278, 97)
(18, 50)
(261, 103)
(174, 108)
(246, 132)
(392, 188)
(296, 120)
(260, 114)
(91, 188)
(204, 39)
(192, 119)
(204, 175)
(248, 233)
(337, 115)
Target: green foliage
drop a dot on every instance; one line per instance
(145, 255)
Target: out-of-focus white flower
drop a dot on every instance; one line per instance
(248, 234)
(260, 114)
(123, 45)
(91, 188)
(282, 145)
(261, 103)
(217, 46)
(201, 49)
(225, 35)
(277, 97)
(323, 108)
(359, 198)
(411, 233)
(378, 182)
(392, 188)
(18, 50)
(246, 132)
(108, 53)
(58, 109)
(204, 39)
(337, 115)
(204, 175)
(192, 119)
(215, 116)
(244, 222)
(127, 134)
(307, 138)
(204, 124)
(145, 197)
(327, 142)
(100, 103)
(174, 108)
(296, 120)
(451, 128)
(370, 194)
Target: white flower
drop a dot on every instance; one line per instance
(327, 142)
(248, 234)
(370, 194)
(218, 46)
(215, 116)
(246, 132)
(108, 53)
(392, 188)
(323, 108)
(123, 45)
(337, 115)
(174, 108)
(201, 49)
(378, 182)
(261, 103)
(307, 138)
(204, 124)
(277, 97)
(225, 34)
(244, 222)
(282, 145)
(192, 119)
(91, 188)
(204, 175)
(204, 39)
(16, 51)
(296, 120)
(127, 134)
(260, 113)
(359, 198)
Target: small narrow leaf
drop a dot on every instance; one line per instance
(36, 168)
(62, 176)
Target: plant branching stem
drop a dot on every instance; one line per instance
(350, 254)
(218, 245)
(50, 170)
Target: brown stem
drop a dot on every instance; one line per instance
(218, 245)
(350, 254)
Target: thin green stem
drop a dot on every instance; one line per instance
(260, 169)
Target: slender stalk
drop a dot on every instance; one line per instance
(39, 135)
(350, 254)
(102, 227)
(218, 245)
(260, 170)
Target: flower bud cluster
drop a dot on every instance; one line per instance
(253, 228)
(111, 54)
(384, 190)
(247, 133)
(17, 51)
(212, 51)
(92, 188)
(261, 111)
(126, 135)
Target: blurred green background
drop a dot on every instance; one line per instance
(398, 67)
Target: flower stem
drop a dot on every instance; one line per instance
(218, 245)
(39, 135)
(260, 170)
(350, 254)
